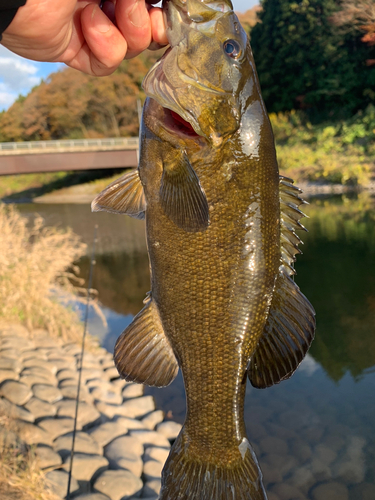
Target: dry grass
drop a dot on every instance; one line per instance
(20, 475)
(35, 267)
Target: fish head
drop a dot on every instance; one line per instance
(206, 77)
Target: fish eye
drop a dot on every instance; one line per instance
(232, 49)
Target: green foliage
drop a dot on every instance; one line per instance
(341, 152)
(305, 61)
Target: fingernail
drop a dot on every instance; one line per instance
(100, 21)
(138, 16)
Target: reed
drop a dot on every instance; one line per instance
(36, 270)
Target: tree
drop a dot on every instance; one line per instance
(305, 61)
(358, 15)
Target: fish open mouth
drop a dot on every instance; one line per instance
(176, 124)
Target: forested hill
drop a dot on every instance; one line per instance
(70, 104)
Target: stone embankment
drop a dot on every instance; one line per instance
(122, 440)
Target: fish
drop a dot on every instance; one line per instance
(221, 228)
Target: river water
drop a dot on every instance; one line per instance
(314, 434)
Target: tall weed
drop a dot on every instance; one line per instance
(35, 264)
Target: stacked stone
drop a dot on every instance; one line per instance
(122, 441)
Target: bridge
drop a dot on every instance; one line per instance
(77, 154)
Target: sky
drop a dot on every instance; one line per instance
(19, 75)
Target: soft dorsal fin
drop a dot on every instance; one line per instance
(181, 195)
(143, 353)
(290, 325)
(123, 196)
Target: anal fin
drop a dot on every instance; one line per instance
(123, 196)
(143, 353)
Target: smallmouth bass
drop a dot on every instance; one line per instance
(220, 225)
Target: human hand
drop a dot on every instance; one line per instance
(82, 35)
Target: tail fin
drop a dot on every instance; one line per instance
(187, 478)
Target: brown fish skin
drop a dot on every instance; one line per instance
(219, 274)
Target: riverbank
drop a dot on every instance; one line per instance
(122, 440)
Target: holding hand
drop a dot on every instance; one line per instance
(84, 35)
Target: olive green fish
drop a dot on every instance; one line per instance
(221, 232)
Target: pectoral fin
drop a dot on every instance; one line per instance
(290, 326)
(143, 353)
(287, 335)
(124, 196)
(181, 195)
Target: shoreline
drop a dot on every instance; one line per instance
(309, 189)
(122, 440)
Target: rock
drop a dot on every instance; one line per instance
(47, 393)
(169, 429)
(152, 488)
(271, 444)
(301, 450)
(33, 434)
(130, 423)
(132, 390)
(107, 432)
(10, 353)
(87, 414)
(10, 364)
(151, 420)
(57, 426)
(334, 442)
(351, 467)
(67, 373)
(152, 470)
(46, 457)
(257, 431)
(38, 363)
(31, 380)
(72, 349)
(90, 373)
(11, 410)
(111, 411)
(302, 478)
(118, 383)
(332, 491)
(69, 391)
(313, 434)
(9, 439)
(8, 375)
(139, 407)
(271, 474)
(324, 454)
(86, 467)
(83, 444)
(61, 363)
(15, 392)
(111, 373)
(118, 484)
(283, 463)
(42, 340)
(57, 480)
(155, 453)
(92, 496)
(107, 396)
(287, 492)
(36, 371)
(150, 438)
(364, 491)
(40, 408)
(68, 382)
(33, 353)
(125, 453)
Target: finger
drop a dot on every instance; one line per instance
(133, 21)
(158, 29)
(102, 45)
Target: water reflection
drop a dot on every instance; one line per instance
(313, 434)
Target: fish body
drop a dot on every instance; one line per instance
(223, 305)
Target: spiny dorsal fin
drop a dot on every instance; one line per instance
(181, 195)
(290, 202)
(143, 353)
(287, 335)
(290, 325)
(123, 196)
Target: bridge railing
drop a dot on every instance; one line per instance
(11, 148)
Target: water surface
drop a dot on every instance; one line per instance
(314, 434)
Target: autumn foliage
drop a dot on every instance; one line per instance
(70, 104)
